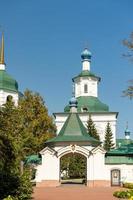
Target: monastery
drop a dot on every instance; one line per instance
(102, 168)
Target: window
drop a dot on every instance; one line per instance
(9, 98)
(84, 109)
(85, 88)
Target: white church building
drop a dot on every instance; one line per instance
(102, 168)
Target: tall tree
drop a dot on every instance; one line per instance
(23, 130)
(91, 129)
(36, 124)
(10, 151)
(129, 44)
(108, 142)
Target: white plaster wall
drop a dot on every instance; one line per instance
(60, 120)
(125, 170)
(98, 166)
(92, 86)
(49, 170)
(4, 94)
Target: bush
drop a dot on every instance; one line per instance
(25, 187)
(128, 185)
(10, 198)
(123, 194)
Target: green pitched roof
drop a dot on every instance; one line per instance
(73, 130)
(7, 82)
(92, 104)
(86, 73)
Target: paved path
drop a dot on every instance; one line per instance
(74, 193)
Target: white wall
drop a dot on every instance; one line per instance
(126, 172)
(92, 84)
(4, 94)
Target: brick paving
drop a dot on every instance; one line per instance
(74, 193)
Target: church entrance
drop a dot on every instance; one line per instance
(73, 169)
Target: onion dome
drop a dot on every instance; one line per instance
(73, 102)
(86, 55)
(127, 132)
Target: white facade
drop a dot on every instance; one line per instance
(4, 95)
(86, 86)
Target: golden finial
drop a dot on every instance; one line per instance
(2, 50)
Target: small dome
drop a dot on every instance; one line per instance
(86, 54)
(73, 102)
(127, 132)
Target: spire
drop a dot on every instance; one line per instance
(127, 132)
(73, 101)
(2, 62)
(2, 50)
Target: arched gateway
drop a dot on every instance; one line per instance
(72, 139)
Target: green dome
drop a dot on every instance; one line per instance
(89, 104)
(7, 82)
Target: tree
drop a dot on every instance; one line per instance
(23, 131)
(11, 179)
(91, 129)
(74, 166)
(129, 44)
(37, 126)
(108, 142)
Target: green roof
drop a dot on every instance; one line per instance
(33, 159)
(118, 160)
(7, 82)
(73, 130)
(121, 142)
(90, 104)
(85, 73)
(122, 154)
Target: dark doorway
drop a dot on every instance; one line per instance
(73, 169)
(115, 177)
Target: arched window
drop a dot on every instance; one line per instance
(9, 98)
(85, 88)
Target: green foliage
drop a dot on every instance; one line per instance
(123, 194)
(10, 198)
(108, 142)
(23, 131)
(128, 185)
(91, 129)
(25, 186)
(74, 165)
(36, 124)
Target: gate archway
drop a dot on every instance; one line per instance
(73, 169)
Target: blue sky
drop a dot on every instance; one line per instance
(44, 40)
